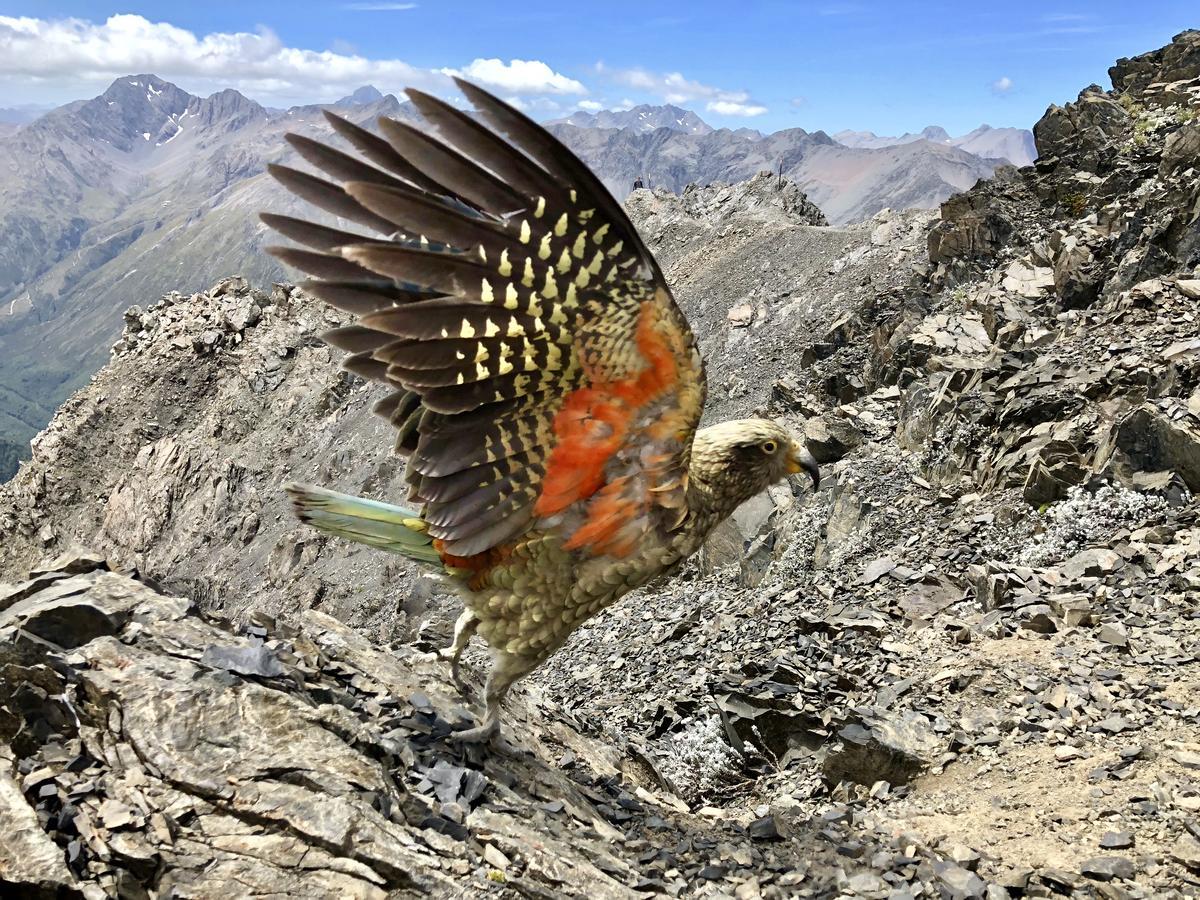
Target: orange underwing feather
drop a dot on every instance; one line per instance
(594, 423)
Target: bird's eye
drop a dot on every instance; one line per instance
(769, 446)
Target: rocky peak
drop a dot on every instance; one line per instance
(134, 112)
(986, 142)
(130, 91)
(228, 108)
(139, 112)
(364, 96)
(1177, 63)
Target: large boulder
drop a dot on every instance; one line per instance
(1085, 130)
(972, 227)
(1153, 439)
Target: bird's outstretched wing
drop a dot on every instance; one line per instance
(546, 379)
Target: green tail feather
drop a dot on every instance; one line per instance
(370, 522)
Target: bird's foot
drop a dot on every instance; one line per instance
(481, 735)
(455, 658)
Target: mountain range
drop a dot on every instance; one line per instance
(147, 188)
(107, 201)
(849, 184)
(643, 118)
(1012, 144)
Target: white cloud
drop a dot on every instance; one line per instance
(59, 59)
(1002, 85)
(522, 76)
(70, 51)
(590, 105)
(673, 87)
(379, 7)
(729, 108)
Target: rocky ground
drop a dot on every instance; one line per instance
(967, 667)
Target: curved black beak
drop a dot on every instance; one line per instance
(800, 460)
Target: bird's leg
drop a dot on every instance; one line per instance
(464, 628)
(507, 670)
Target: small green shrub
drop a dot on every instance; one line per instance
(1076, 204)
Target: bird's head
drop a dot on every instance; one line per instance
(735, 460)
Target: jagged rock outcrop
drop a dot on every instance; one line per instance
(1115, 177)
(766, 198)
(967, 667)
(149, 751)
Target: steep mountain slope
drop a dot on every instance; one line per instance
(967, 667)
(1014, 145)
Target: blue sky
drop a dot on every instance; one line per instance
(885, 67)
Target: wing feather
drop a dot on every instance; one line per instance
(544, 378)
